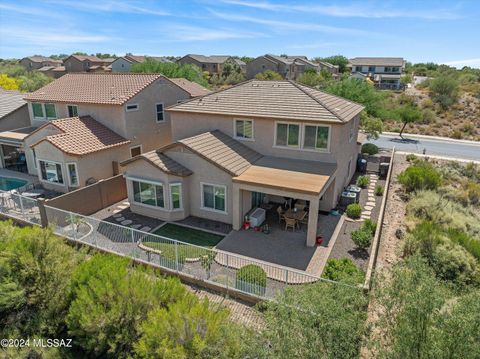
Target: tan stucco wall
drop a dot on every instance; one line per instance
(16, 119)
(32, 139)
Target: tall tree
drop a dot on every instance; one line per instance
(408, 114)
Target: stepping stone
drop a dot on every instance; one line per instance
(122, 206)
(136, 226)
(119, 219)
(370, 203)
(368, 208)
(116, 215)
(365, 217)
(367, 212)
(126, 203)
(127, 222)
(117, 211)
(146, 229)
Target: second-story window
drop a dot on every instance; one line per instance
(44, 111)
(160, 112)
(50, 111)
(244, 129)
(316, 137)
(38, 110)
(131, 107)
(72, 110)
(371, 69)
(358, 68)
(288, 135)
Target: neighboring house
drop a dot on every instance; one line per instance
(88, 108)
(37, 62)
(13, 115)
(333, 69)
(259, 141)
(80, 63)
(290, 67)
(212, 64)
(385, 72)
(124, 64)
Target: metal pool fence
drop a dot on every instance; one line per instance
(206, 265)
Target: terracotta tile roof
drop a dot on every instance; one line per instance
(98, 88)
(139, 58)
(10, 101)
(85, 58)
(81, 136)
(214, 59)
(42, 59)
(274, 99)
(377, 61)
(162, 162)
(192, 88)
(222, 150)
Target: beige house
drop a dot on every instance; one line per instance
(290, 67)
(259, 141)
(37, 62)
(212, 64)
(81, 63)
(124, 64)
(385, 72)
(130, 106)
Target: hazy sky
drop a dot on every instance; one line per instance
(420, 31)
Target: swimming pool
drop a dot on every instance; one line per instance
(7, 183)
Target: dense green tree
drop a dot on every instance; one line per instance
(408, 114)
(33, 80)
(172, 70)
(321, 320)
(269, 75)
(444, 90)
(371, 126)
(110, 300)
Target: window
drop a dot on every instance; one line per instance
(214, 197)
(371, 69)
(244, 129)
(395, 69)
(38, 110)
(50, 111)
(160, 114)
(72, 110)
(176, 195)
(316, 137)
(287, 135)
(34, 158)
(131, 107)
(349, 168)
(135, 151)
(148, 193)
(51, 171)
(358, 68)
(72, 174)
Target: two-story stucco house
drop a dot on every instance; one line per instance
(256, 141)
(37, 62)
(81, 63)
(290, 67)
(124, 64)
(88, 123)
(212, 64)
(385, 72)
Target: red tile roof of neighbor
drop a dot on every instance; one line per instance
(81, 136)
(99, 88)
(192, 88)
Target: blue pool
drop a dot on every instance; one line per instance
(7, 184)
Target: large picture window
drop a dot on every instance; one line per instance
(51, 171)
(214, 197)
(148, 193)
(244, 129)
(316, 137)
(176, 195)
(288, 135)
(44, 111)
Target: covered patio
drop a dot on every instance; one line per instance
(307, 182)
(12, 152)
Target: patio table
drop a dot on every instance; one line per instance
(298, 215)
(35, 193)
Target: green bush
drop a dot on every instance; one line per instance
(444, 91)
(420, 176)
(251, 278)
(354, 210)
(466, 241)
(379, 190)
(362, 181)
(362, 237)
(370, 226)
(411, 157)
(343, 270)
(369, 148)
(423, 239)
(453, 263)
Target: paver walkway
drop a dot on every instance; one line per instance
(370, 205)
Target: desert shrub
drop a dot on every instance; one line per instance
(453, 263)
(428, 116)
(433, 207)
(423, 239)
(466, 241)
(369, 148)
(444, 91)
(457, 134)
(269, 75)
(251, 278)
(370, 225)
(362, 237)
(354, 210)
(379, 190)
(427, 103)
(362, 181)
(420, 176)
(473, 191)
(343, 270)
(411, 157)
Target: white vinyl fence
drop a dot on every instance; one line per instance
(208, 265)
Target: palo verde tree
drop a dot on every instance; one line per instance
(408, 114)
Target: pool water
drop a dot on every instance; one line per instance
(7, 184)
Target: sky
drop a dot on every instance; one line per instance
(420, 31)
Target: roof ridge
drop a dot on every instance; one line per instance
(316, 99)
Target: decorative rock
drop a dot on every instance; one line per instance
(136, 226)
(119, 219)
(146, 229)
(127, 222)
(122, 206)
(116, 215)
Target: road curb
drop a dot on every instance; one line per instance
(446, 139)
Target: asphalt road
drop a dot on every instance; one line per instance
(434, 147)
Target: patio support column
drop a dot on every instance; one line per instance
(237, 207)
(312, 222)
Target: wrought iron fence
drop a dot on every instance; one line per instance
(208, 265)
